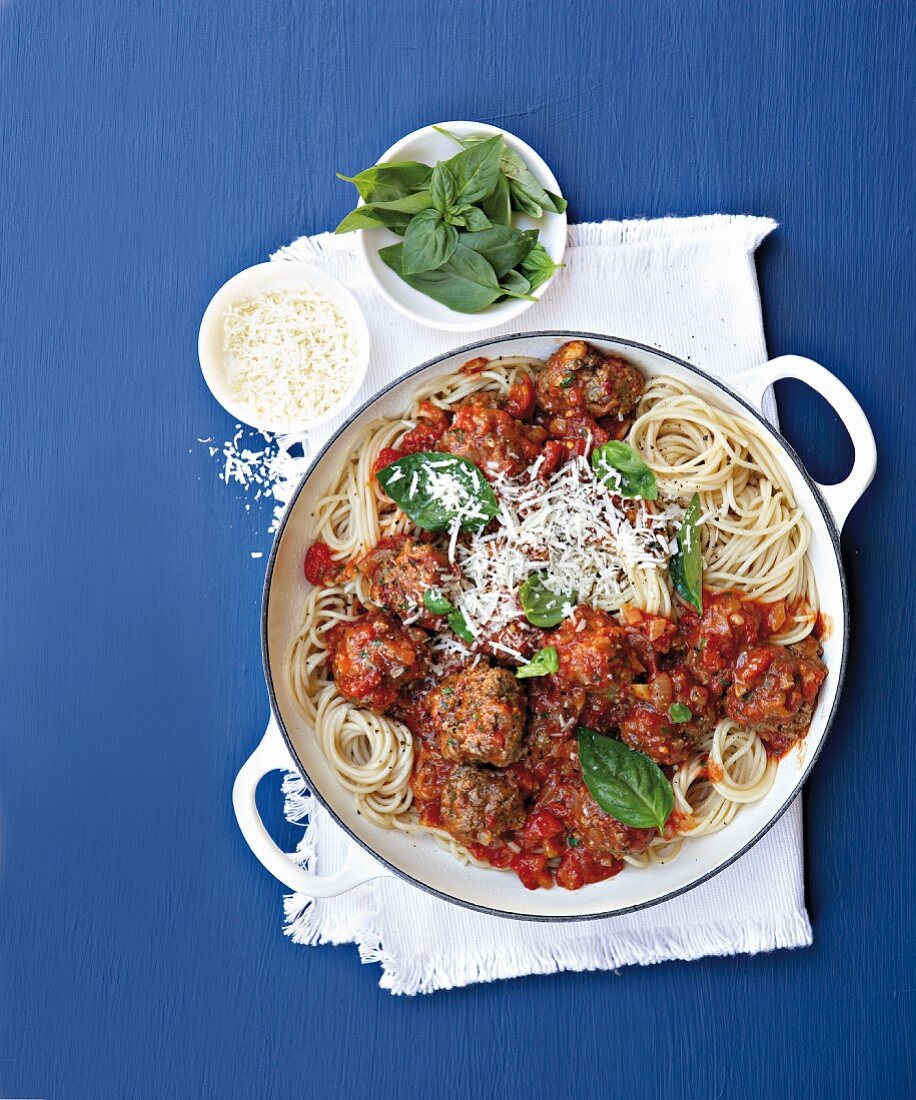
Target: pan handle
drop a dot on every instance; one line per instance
(273, 755)
(840, 498)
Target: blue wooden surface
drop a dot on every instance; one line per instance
(148, 151)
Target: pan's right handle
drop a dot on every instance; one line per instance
(273, 755)
(841, 497)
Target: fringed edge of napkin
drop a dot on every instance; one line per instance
(307, 923)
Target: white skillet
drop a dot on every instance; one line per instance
(289, 743)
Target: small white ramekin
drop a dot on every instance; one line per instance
(264, 279)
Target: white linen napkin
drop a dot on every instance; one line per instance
(688, 286)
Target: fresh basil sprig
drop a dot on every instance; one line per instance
(527, 194)
(621, 469)
(686, 566)
(625, 783)
(476, 168)
(460, 247)
(544, 662)
(541, 606)
(538, 267)
(412, 483)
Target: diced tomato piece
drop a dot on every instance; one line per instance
(554, 846)
(319, 568)
(554, 453)
(578, 869)
(532, 869)
(385, 457)
(520, 402)
(497, 856)
(433, 422)
(430, 814)
(474, 366)
(571, 872)
(539, 826)
(527, 782)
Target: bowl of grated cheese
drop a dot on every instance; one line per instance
(283, 346)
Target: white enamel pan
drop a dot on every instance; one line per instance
(289, 743)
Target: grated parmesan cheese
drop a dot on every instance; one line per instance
(570, 529)
(290, 355)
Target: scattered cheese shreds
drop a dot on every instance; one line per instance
(291, 355)
(261, 464)
(573, 531)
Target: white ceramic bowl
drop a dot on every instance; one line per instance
(263, 279)
(290, 741)
(429, 146)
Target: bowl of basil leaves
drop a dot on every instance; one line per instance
(463, 226)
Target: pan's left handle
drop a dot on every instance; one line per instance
(273, 755)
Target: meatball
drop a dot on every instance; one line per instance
(604, 836)
(595, 655)
(492, 439)
(479, 805)
(775, 689)
(648, 726)
(655, 735)
(728, 625)
(517, 635)
(479, 716)
(553, 713)
(578, 378)
(400, 570)
(374, 658)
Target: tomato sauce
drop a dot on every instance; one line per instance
(319, 567)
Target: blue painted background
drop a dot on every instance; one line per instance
(148, 151)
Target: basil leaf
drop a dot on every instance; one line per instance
(686, 566)
(502, 246)
(625, 783)
(428, 242)
(384, 182)
(515, 285)
(622, 470)
(541, 606)
(470, 217)
(414, 483)
(538, 267)
(466, 283)
(514, 168)
(497, 206)
(388, 214)
(542, 663)
(442, 187)
(436, 603)
(459, 625)
(524, 203)
(476, 169)
(677, 712)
